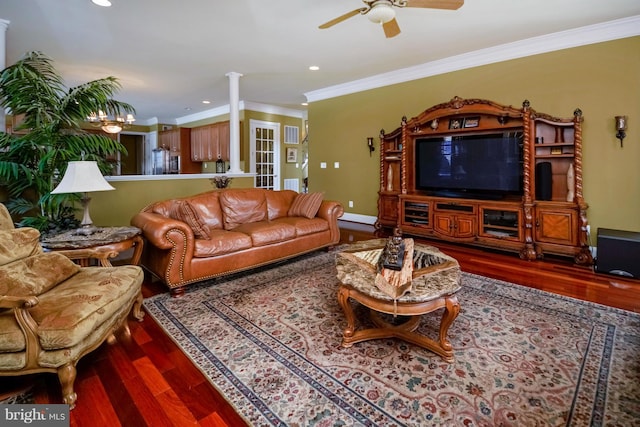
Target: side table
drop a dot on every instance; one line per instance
(104, 244)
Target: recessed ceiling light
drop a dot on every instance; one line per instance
(103, 3)
(206, 102)
(314, 68)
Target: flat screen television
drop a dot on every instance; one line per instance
(470, 166)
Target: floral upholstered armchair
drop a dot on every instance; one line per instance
(52, 311)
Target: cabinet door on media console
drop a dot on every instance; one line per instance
(461, 226)
(454, 219)
(387, 210)
(556, 225)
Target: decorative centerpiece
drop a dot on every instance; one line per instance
(393, 254)
(221, 181)
(395, 266)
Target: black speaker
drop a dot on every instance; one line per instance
(543, 181)
(618, 252)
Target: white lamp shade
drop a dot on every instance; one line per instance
(82, 177)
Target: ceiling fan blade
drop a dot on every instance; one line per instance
(391, 28)
(341, 18)
(436, 4)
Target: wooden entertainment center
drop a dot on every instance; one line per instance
(546, 214)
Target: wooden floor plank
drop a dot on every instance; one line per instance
(118, 396)
(176, 411)
(213, 420)
(92, 388)
(151, 376)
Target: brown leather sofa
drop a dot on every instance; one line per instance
(224, 231)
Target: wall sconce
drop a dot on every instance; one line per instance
(621, 127)
(370, 145)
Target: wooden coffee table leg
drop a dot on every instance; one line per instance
(343, 299)
(451, 310)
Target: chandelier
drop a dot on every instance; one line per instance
(110, 126)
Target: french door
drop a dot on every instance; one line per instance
(265, 154)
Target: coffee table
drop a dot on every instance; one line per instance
(436, 278)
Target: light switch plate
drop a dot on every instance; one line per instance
(323, 165)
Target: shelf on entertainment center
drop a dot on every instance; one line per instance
(554, 156)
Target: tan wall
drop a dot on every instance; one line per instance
(603, 80)
(114, 208)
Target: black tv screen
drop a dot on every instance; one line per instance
(488, 165)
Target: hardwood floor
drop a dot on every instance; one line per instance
(145, 380)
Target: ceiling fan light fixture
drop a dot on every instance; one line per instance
(381, 13)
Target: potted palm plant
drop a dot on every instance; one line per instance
(34, 157)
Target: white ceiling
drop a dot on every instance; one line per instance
(169, 55)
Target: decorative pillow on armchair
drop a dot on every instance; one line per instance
(306, 204)
(18, 243)
(36, 274)
(183, 211)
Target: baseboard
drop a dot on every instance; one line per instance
(364, 219)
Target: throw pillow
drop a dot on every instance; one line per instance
(36, 274)
(306, 205)
(183, 211)
(18, 243)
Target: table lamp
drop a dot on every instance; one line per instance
(83, 177)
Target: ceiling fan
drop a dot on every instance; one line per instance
(381, 12)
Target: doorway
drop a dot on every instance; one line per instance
(265, 154)
(131, 164)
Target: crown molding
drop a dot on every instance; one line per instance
(272, 109)
(206, 114)
(243, 105)
(612, 30)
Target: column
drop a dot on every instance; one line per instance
(3, 60)
(234, 122)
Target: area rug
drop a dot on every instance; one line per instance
(270, 342)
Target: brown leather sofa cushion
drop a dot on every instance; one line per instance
(221, 242)
(207, 205)
(266, 232)
(243, 206)
(279, 202)
(304, 225)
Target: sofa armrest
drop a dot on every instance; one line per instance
(20, 306)
(26, 301)
(168, 235)
(156, 228)
(330, 211)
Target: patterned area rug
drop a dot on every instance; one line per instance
(270, 342)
